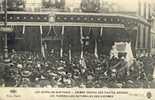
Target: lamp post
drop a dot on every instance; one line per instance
(5, 34)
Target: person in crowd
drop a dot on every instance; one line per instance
(28, 69)
(120, 68)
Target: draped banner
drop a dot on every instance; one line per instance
(125, 47)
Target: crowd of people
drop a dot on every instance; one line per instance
(32, 70)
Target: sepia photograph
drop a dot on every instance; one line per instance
(82, 44)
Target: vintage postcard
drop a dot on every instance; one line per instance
(77, 49)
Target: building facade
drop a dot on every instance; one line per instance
(153, 34)
(137, 25)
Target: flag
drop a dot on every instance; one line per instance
(61, 50)
(83, 64)
(45, 45)
(42, 46)
(50, 28)
(70, 53)
(81, 38)
(95, 51)
(129, 55)
(101, 32)
(23, 29)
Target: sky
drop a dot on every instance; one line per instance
(130, 5)
(127, 4)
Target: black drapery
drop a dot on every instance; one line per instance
(19, 38)
(1, 42)
(72, 40)
(91, 34)
(32, 38)
(111, 35)
(52, 36)
(10, 41)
